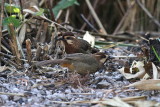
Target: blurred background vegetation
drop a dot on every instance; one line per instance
(120, 15)
(115, 15)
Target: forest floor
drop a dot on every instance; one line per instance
(53, 86)
(129, 78)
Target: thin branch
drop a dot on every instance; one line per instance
(58, 15)
(13, 94)
(67, 16)
(50, 9)
(121, 6)
(123, 19)
(89, 15)
(9, 62)
(21, 5)
(88, 23)
(148, 13)
(95, 16)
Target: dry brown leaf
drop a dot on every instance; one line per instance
(145, 103)
(139, 74)
(146, 84)
(134, 98)
(136, 70)
(116, 102)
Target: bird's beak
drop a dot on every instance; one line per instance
(103, 60)
(101, 57)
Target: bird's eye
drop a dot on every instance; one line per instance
(68, 37)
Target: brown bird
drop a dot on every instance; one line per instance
(75, 45)
(80, 63)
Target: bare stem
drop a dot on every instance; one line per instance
(95, 17)
(1, 18)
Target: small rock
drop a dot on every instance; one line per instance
(15, 90)
(103, 84)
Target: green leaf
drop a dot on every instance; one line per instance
(155, 52)
(63, 4)
(12, 20)
(39, 13)
(11, 8)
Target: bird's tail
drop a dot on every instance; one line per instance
(49, 62)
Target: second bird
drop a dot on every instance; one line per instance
(75, 45)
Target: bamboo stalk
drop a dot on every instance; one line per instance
(14, 45)
(29, 53)
(67, 16)
(39, 31)
(7, 55)
(126, 15)
(148, 13)
(38, 53)
(95, 17)
(125, 20)
(89, 15)
(44, 32)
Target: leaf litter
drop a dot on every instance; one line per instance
(129, 79)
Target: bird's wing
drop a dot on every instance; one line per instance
(48, 62)
(73, 55)
(76, 57)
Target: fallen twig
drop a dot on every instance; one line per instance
(9, 62)
(134, 98)
(116, 44)
(120, 36)
(6, 55)
(13, 94)
(39, 31)
(123, 56)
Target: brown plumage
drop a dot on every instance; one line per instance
(81, 63)
(75, 45)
